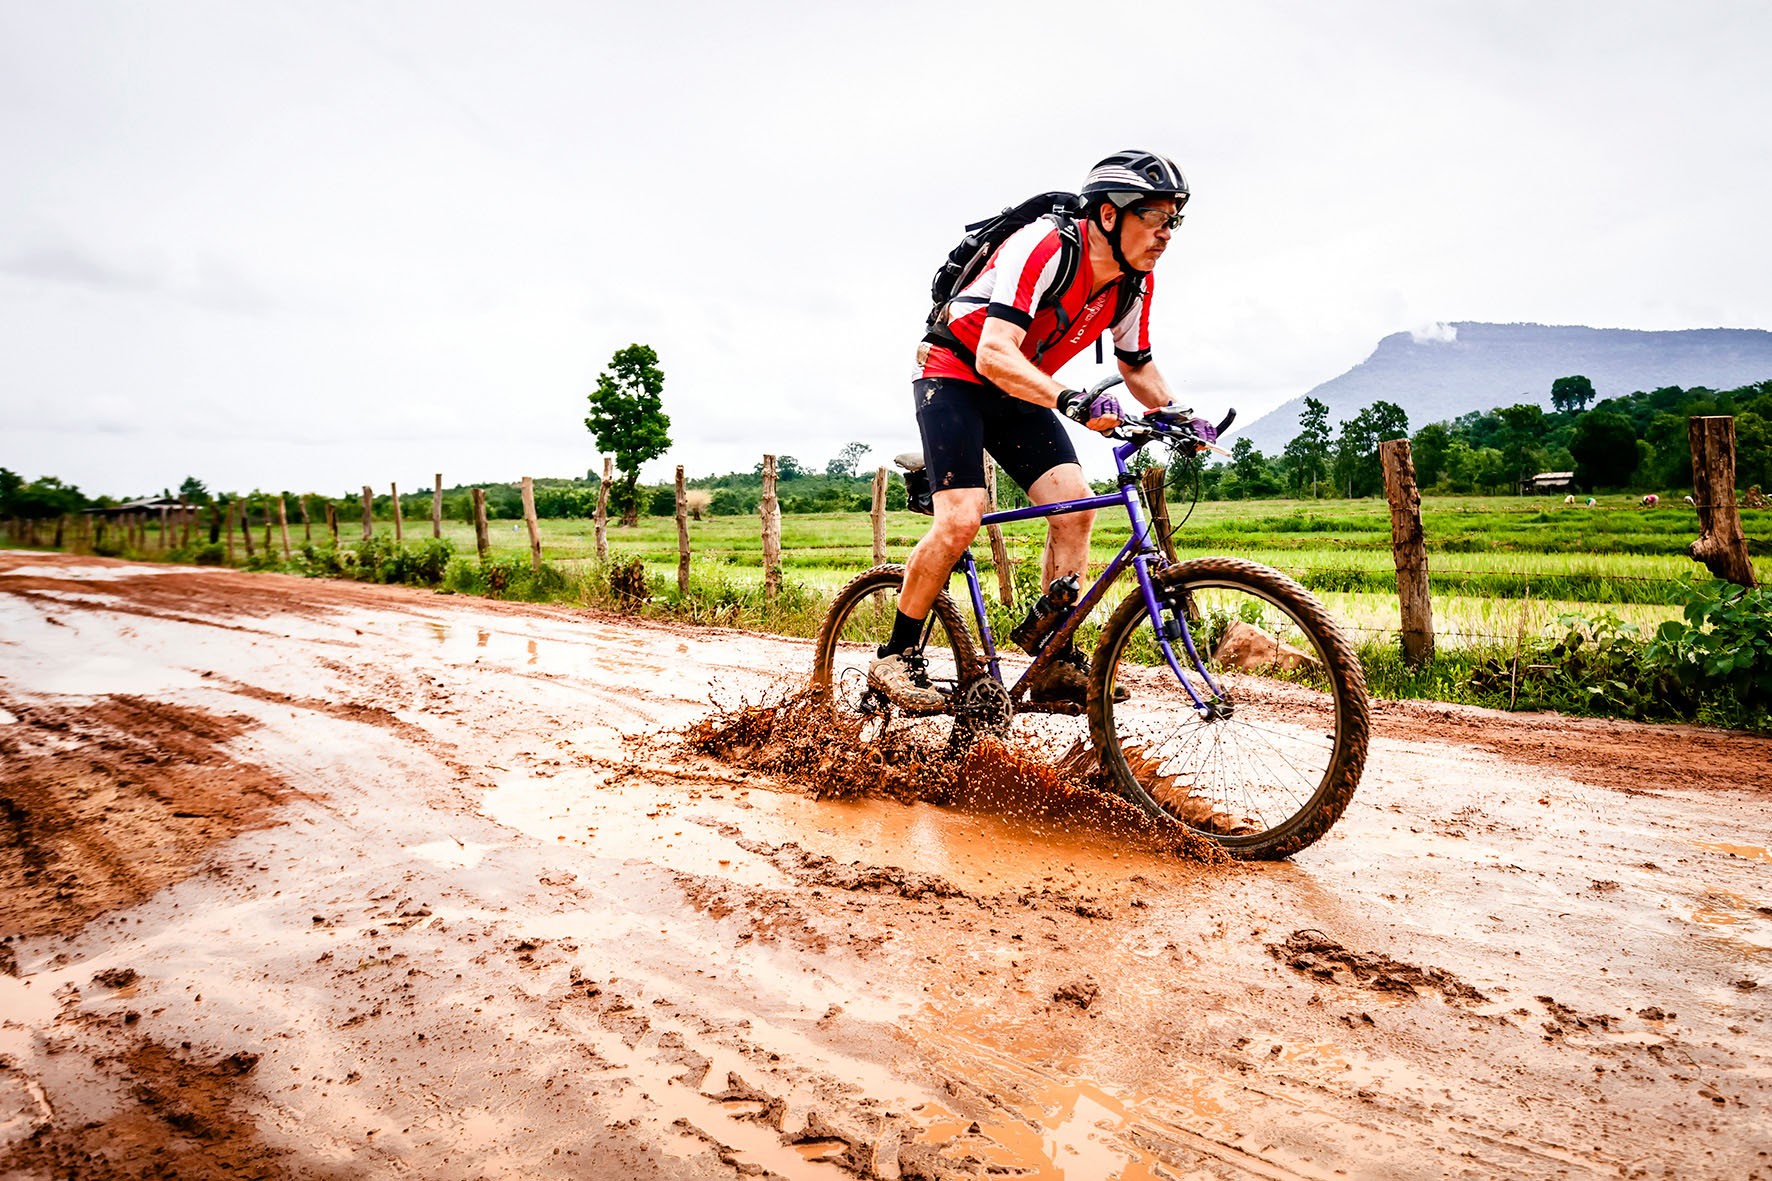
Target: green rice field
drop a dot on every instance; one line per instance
(1497, 565)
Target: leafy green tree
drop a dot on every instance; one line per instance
(1605, 449)
(1569, 394)
(1753, 450)
(1356, 448)
(40, 499)
(1428, 448)
(1522, 432)
(1670, 464)
(847, 461)
(1251, 475)
(1307, 455)
(194, 491)
(786, 468)
(628, 419)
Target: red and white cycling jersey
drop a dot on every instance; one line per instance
(1016, 281)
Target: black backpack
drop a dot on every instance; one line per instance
(966, 260)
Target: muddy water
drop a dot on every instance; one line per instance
(495, 938)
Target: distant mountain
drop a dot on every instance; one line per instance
(1457, 368)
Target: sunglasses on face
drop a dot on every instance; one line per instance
(1157, 218)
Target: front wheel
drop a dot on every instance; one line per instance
(1272, 760)
(860, 619)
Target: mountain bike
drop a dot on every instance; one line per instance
(1243, 711)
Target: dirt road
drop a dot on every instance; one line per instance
(306, 879)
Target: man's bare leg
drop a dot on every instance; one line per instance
(957, 514)
(1067, 537)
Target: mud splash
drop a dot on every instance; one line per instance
(799, 740)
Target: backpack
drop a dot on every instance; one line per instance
(967, 260)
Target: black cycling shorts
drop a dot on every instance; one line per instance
(961, 420)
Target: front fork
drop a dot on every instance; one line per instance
(1172, 628)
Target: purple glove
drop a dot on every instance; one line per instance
(1203, 429)
(1082, 408)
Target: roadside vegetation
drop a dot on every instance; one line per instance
(1586, 605)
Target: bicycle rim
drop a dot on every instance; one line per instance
(1270, 765)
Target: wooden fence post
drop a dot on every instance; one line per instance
(246, 528)
(1720, 545)
(368, 514)
(332, 522)
(267, 528)
(228, 532)
(534, 528)
(770, 510)
(165, 537)
(307, 522)
(999, 551)
(437, 507)
(602, 517)
(283, 525)
(878, 514)
(682, 534)
(394, 495)
(481, 541)
(1409, 549)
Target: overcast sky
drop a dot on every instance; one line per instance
(312, 245)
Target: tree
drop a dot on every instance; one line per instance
(1429, 451)
(1356, 449)
(1522, 431)
(1571, 393)
(1308, 453)
(628, 419)
(1605, 449)
(193, 491)
(786, 468)
(847, 460)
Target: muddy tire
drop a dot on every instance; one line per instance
(1274, 763)
(859, 620)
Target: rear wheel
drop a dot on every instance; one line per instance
(1272, 761)
(859, 621)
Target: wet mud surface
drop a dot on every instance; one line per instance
(306, 879)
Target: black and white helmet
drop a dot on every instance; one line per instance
(1128, 176)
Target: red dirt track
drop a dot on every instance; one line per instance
(312, 879)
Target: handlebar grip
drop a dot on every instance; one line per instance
(1228, 419)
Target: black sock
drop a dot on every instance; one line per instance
(905, 634)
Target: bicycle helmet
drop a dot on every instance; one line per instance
(1129, 176)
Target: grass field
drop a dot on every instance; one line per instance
(1497, 564)
(1510, 578)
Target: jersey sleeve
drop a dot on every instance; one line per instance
(1025, 269)
(1132, 332)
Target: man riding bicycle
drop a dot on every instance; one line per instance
(984, 382)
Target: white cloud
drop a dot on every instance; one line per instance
(1435, 333)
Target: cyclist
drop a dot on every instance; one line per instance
(984, 381)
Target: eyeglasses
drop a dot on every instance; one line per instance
(1157, 218)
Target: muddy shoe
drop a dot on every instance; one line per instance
(903, 682)
(1067, 679)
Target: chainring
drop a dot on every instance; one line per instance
(981, 708)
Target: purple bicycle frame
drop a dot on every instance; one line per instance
(1139, 550)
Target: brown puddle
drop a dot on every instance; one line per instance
(1052, 1122)
(799, 740)
(1749, 852)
